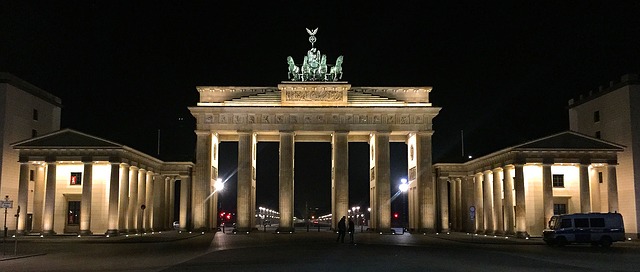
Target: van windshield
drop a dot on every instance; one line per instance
(553, 222)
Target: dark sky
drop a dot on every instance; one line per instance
(501, 73)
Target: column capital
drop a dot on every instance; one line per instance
(203, 132)
(497, 169)
(424, 133)
(507, 167)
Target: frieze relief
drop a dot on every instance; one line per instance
(314, 95)
(320, 118)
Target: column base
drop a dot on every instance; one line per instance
(498, 232)
(113, 232)
(489, 232)
(445, 230)
(510, 233)
(22, 232)
(85, 232)
(522, 234)
(480, 231)
(47, 232)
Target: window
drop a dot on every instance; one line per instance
(581, 222)
(600, 179)
(566, 223)
(596, 116)
(35, 115)
(598, 135)
(597, 222)
(32, 175)
(559, 209)
(34, 133)
(76, 178)
(558, 181)
(73, 213)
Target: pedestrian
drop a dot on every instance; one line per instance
(352, 230)
(341, 229)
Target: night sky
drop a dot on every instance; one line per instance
(503, 74)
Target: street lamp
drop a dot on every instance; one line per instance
(218, 185)
(404, 186)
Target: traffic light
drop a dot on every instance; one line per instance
(395, 215)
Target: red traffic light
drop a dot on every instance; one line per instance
(395, 215)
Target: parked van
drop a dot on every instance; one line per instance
(594, 228)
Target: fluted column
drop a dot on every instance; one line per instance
(521, 211)
(340, 167)
(508, 200)
(497, 202)
(547, 191)
(488, 203)
(185, 188)
(287, 146)
(142, 199)
(459, 204)
(169, 202)
(158, 202)
(201, 185)
(244, 213)
(612, 187)
(453, 221)
(87, 191)
(132, 215)
(23, 194)
(426, 186)
(39, 190)
(468, 201)
(382, 176)
(585, 193)
(148, 212)
(124, 198)
(49, 199)
(443, 196)
(479, 202)
(114, 189)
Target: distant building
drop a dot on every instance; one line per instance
(26, 111)
(613, 114)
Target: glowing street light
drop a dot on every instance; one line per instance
(218, 185)
(404, 187)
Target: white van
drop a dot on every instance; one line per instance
(594, 228)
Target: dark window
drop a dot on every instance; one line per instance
(598, 135)
(600, 179)
(596, 116)
(34, 133)
(76, 178)
(32, 175)
(581, 222)
(35, 114)
(566, 223)
(558, 180)
(597, 222)
(559, 209)
(73, 214)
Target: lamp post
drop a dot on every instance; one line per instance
(404, 186)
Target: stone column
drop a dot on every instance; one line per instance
(202, 182)
(585, 192)
(459, 204)
(124, 198)
(508, 200)
(87, 198)
(497, 202)
(479, 201)
(287, 152)
(185, 188)
(132, 214)
(425, 183)
(158, 202)
(142, 199)
(443, 203)
(170, 202)
(23, 194)
(49, 199)
(488, 203)
(244, 214)
(148, 212)
(468, 201)
(114, 184)
(382, 176)
(612, 187)
(453, 205)
(521, 211)
(547, 191)
(38, 198)
(340, 174)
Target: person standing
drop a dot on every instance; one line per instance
(351, 230)
(341, 229)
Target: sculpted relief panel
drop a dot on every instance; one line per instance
(317, 118)
(314, 95)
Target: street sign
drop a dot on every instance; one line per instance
(472, 213)
(6, 204)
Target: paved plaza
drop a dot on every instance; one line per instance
(309, 251)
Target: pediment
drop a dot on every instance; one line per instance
(569, 140)
(66, 138)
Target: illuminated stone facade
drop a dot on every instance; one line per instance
(612, 114)
(332, 112)
(516, 190)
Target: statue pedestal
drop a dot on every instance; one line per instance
(314, 93)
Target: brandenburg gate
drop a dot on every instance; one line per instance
(315, 105)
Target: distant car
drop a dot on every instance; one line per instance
(176, 224)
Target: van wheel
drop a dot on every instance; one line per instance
(605, 241)
(561, 241)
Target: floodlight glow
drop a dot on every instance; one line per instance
(218, 185)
